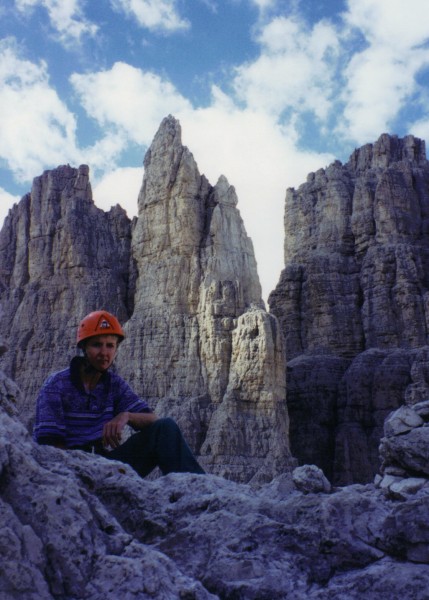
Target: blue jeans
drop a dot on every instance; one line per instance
(160, 444)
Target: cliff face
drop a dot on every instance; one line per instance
(182, 278)
(352, 301)
(59, 257)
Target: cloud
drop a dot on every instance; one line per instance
(294, 71)
(420, 128)
(7, 200)
(65, 16)
(260, 159)
(382, 77)
(120, 186)
(156, 15)
(393, 23)
(36, 126)
(264, 4)
(358, 73)
(131, 100)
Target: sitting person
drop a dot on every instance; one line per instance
(86, 407)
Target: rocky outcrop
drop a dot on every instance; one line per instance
(404, 451)
(76, 525)
(353, 302)
(205, 351)
(182, 278)
(60, 256)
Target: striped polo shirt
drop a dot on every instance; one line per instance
(67, 413)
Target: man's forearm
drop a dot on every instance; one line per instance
(141, 420)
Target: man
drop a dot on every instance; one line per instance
(86, 407)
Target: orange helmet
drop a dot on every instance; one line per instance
(99, 322)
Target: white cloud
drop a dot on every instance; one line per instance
(105, 152)
(260, 160)
(250, 136)
(395, 23)
(36, 127)
(381, 78)
(132, 100)
(120, 186)
(7, 200)
(158, 15)
(378, 86)
(264, 4)
(246, 145)
(66, 18)
(295, 69)
(421, 128)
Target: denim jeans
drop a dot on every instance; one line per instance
(160, 444)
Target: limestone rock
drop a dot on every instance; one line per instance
(182, 278)
(310, 478)
(355, 288)
(401, 421)
(60, 257)
(76, 525)
(204, 349)
(247, 437)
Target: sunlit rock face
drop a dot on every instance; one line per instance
(182, 279)
(203, 348)
(352, 301)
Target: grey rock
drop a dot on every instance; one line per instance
(309, 478)
(409, 450)
(422, 409)
(402, 420)
(354, 288)
(401, 487)
(60, 258)
(183, 280)
(79, 526)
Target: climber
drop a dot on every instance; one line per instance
(86, 407)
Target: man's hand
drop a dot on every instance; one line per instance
(112, 431)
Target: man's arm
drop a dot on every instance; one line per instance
(112, 431)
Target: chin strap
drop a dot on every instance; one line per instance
(88, 368)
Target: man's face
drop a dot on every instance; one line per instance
(101, 350)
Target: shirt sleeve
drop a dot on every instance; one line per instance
(125, 400)
(49, 425)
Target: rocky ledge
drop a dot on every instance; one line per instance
(77, 526)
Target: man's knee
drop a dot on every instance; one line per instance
(166, 424)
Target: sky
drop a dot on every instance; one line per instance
(266, 91)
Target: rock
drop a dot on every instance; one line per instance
(182, 278)
(60, 257)
(402, 420)
(409, 450)
(312, 397)
(354, 288)
(78, 525)
(422, 410)
(310, 478)
(401, 487)
(198, 313)
(403, 452)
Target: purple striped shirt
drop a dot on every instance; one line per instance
(66, 413)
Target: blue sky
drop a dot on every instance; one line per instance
(266, 91)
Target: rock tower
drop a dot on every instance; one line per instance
(352, 301)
